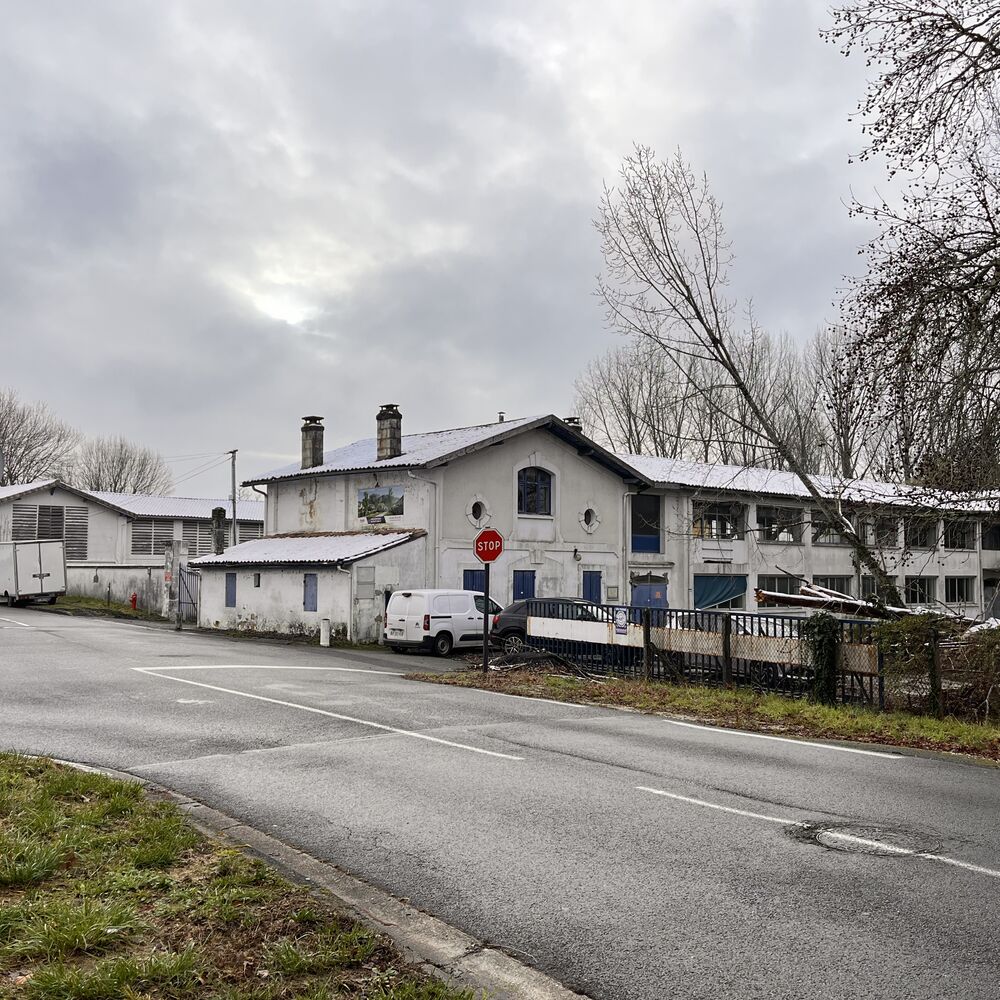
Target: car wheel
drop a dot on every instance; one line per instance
(442, 644)
(513, 643)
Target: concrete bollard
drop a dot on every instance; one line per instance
(324, 632)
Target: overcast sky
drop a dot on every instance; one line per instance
(220, 216)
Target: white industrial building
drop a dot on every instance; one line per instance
(116, 540)
(344, 528)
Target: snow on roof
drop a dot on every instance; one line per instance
(332, 548)
(17, 489)
(774, 482)
(418, 450)
(148, 505)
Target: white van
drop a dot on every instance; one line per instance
(438, 620)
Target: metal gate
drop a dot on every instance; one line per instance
(187, 594)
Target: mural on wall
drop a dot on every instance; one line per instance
(380, 504)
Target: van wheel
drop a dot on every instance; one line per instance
(9, 601)
(442, 644)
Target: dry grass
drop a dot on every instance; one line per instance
(121, 898)
(741, 709)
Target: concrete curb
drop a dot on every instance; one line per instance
(435, 946)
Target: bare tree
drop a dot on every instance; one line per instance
(118, 465)
(667, 259)
(34, 444)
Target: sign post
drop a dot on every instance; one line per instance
(488, 546)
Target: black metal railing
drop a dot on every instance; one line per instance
(764, 652)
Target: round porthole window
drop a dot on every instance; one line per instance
(477, 510)
(589, 519)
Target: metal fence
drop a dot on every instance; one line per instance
(761, 651)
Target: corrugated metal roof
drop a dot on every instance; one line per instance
(196, 508)
(666, 472)
(16, 489)
(418, 450)
(315, 549)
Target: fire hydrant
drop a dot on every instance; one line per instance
(133, 600)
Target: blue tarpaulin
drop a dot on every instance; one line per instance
(711, 591)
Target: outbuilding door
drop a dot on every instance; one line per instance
(309, 592)
(592, 585)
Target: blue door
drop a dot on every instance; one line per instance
(309, 592)
(230, 590)
(524, 584)
(474, 579)
(592, 585)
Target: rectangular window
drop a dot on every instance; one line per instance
(309, 592)
(991, 535)
(959, 535)
(777, 585)
(826, 532)
(524, 584)
(718, 520)
(256, 579)
(959, 589)
(719, 592)
(198, 537)
(919, 589)
(880, 532)
(781, 525)
(592, 585)
(645, 523)
(841, 584)
(230, 590)
(474, 579)
(869, 588)
(920, 533)
(150, 538)
(51, 523)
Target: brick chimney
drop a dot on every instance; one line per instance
(389, 422)
(312, 442)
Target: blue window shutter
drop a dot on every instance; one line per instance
(309, 588)
(474, 579)
(524, 584)
(230, 590)
(592, 586)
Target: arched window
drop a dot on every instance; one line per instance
(534, 491)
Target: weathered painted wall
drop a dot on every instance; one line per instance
(146, 582)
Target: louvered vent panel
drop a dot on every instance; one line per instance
(50, 521)
(142, 538)
(198, 536)
(77, 520)
(25, 522)
(163, 535)
(248, 530)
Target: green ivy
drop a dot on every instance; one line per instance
(822, 634)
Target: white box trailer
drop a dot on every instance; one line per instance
(32, 571)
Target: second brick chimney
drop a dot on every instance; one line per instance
(389, 438)
(312, 442)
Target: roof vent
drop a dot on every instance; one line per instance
(389, 439)
(312, 442)
(573, 422)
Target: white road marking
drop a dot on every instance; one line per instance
(333, 715)
(786, 739)
(195, 701)
(879, 845)
(13, 622)
(269, 666)
(715, 805)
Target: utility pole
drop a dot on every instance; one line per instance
(233, 533)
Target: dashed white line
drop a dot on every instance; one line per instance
(332, 715)
(879, 845)
(786, 739)
(269, 666)
(13, 622)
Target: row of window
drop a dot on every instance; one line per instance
(916, 589)
(151, 536)
(786, 525)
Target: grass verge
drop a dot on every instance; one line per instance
(96, 607)
(106, 894)
(740, 709)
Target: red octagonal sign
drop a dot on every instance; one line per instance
(488, 545)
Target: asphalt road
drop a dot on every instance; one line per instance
(627, 856)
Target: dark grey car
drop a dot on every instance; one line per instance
(510, 626)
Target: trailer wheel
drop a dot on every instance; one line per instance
(52, 599)
(8, 600)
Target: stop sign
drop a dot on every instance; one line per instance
(488, 545)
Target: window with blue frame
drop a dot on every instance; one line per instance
(524, 584)
(645, 523)
(592, 585)
(230, 590)
(309, 592)
(534, 491)
(474, 579)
